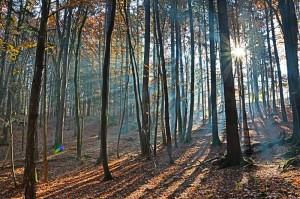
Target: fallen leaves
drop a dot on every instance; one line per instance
(193, 176)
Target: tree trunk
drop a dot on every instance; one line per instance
(178, 98)
(45, 124)
(270, 62)
(29, 172)
(208, 94)
(234, 155)
(215, 137)
(165, 83)
(282, 105)
(191, 118)
(146, 97)
(136, 86)
(8, 20)
(290, 34)
(111, 10)
(63, 88)
(76, 80)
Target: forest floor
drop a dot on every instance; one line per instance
(193, 175)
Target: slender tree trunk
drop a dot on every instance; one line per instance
(165, 83)
(178, 94)
(207, 70)
(111, 10)
(76, 80)
(8, 20)
(172, 91)
(136, 86)
(267, 87)
(191, 118)
(63, 88)
(215, 140)
(182, 88)
(45, 124)
(124, 106)
(242, 92)
(282, 105)
(29, 172)
(270, 62)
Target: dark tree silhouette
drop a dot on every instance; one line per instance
(216, 140)
(111, 5)
(234, 154)
(29, 173)
(290, 34)
(146, 97)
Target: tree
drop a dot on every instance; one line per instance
(45, 124)
(146, 97)
(282, 105)
(191, 118)
(76, 79)
(216, 140)
(8, 21)
(64, 80)
(178, 99)
(29, 172)
(111, 10)
(234, 154)
(165, 83)
(271, 63)
(242, 87)
(290, 35)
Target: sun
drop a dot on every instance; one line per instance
(238, 52)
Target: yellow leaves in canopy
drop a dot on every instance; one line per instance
(16, 72)
(28, 44)
(12, 52)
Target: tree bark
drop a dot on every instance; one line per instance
(234, 155)
(165, 84)
(290, 34)
(145, 94)
(215, 137)
(111, 5)
(29, 172)
(76, 80)
(282, 105)
(63, 88)
(191, 118)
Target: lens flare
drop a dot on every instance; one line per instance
(59, 149)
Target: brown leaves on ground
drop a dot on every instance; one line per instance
(137, 177)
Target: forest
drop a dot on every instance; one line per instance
(149, 99)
